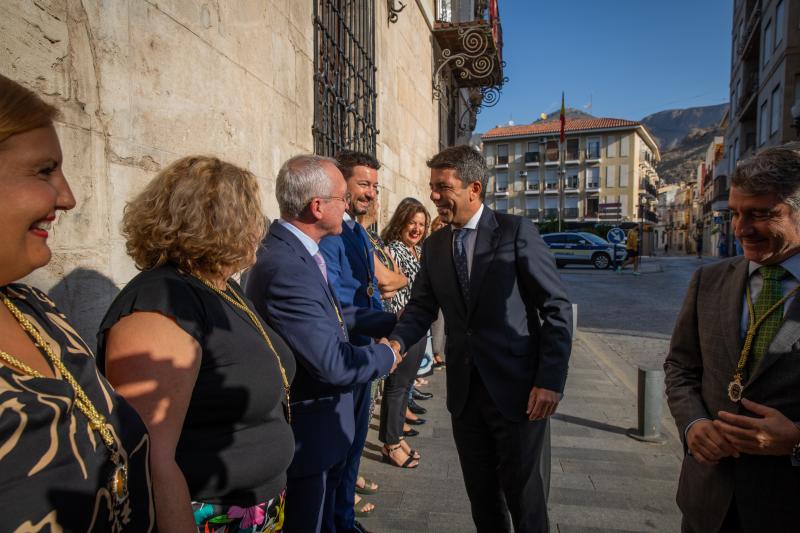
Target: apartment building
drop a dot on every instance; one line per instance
(610, 172)
(765, 76)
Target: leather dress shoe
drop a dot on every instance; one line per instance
(415, 421)
(416, 408)
(360, 529)
(419, 395)
(410, 432)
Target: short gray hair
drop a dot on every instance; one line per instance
(301, 179)
(772, 171)
(469, 164)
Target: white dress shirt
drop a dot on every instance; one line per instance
(471, 237)
(308, 243)
(792, 266)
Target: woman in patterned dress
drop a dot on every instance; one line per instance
(73, 454)
(403, 236)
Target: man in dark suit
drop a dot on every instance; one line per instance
(733, 369)
(351, 272)
(508, 325)
(290, 289)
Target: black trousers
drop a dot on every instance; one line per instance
(501, 462)
(395, 395)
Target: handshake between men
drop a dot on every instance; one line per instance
(395, 346)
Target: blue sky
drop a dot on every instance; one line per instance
(630, 58)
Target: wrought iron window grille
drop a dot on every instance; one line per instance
(345, 95)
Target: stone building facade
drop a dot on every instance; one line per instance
(141, 83)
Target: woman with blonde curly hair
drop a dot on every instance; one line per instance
(184, 345)
(73, 453)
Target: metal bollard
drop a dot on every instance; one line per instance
(574, 320)
(650, 404)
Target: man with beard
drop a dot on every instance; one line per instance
(351, 272)
(733, 369)
(509, 327)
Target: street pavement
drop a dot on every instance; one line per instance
(602, 480)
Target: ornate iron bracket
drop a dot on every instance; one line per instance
(473, 65)
(394, 10)
(485, 97)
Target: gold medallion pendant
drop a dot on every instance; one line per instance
(370, 290)
(735, 390)
(118, 484)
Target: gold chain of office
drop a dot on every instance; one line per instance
(240, 304)
(735, 387)
(118, 483)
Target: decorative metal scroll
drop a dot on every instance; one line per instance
(394, 10)
(488, 97)
(344, 76)
(476, 63)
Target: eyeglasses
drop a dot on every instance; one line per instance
(346, 198)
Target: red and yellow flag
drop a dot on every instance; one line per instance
(563, 118)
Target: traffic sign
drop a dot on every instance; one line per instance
(615, 235)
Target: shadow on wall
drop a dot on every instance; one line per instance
(84, 295)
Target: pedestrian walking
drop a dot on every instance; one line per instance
(632, 250)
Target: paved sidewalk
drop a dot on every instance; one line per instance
(602, 480)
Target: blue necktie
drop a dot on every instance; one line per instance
(460, 257)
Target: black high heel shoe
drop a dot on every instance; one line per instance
(386, 453)
(416, 408)
(419, 395)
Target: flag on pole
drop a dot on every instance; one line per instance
(563, 118)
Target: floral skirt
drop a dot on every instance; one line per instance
(265, 517)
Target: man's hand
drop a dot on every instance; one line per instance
(395, 346)
(771, 433)
(707, 444)
(542, 403)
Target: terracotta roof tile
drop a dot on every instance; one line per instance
(554, 126)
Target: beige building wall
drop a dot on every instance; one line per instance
(408, 115)
(142, 83)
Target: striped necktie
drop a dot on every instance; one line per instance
(770, 294)
(460, 258)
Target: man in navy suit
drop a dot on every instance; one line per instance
(351, 271)
(508, 324)
(289, 286)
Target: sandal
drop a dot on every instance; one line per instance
(358, 508)
(369, 487)
(386, 455)
(409, 450)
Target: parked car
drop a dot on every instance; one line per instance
(583, 248)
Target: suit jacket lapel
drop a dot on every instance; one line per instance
(352, 237)
(286, 236)
(731, 306)
(485, 245)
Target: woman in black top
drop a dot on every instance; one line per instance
(185, 346)
(73, 454)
